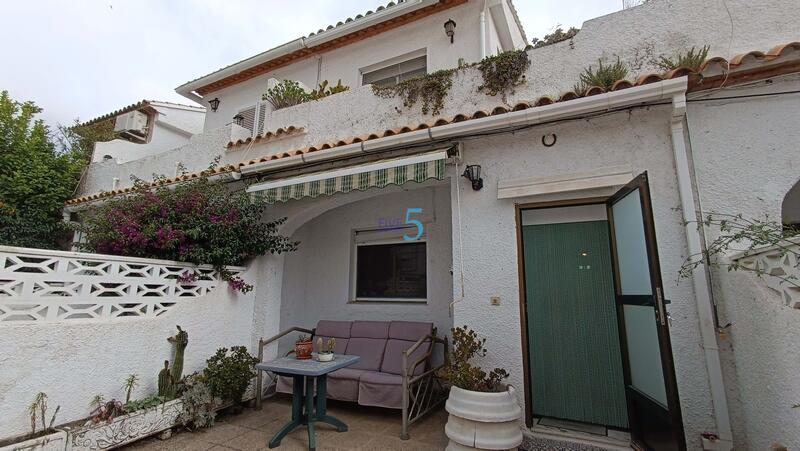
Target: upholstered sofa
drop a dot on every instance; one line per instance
(395, 371)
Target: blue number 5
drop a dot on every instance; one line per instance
(416, 222)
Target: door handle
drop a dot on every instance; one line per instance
(662, 311)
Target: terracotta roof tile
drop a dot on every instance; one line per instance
(268, 136)
(745, 67)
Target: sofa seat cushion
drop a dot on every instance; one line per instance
(369, 349)
(393, 356)
(380, 390)
(343, 384)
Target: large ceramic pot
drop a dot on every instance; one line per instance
(303, 349)
(483, 420)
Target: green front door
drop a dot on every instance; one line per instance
(574, 349)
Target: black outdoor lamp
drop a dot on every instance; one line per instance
(238, 120)
(473, 174)
(214, 103)
(450, 29)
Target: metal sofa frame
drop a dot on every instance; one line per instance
(421, 393)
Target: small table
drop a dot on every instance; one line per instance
(304, 372)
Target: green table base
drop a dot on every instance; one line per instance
(303, 412)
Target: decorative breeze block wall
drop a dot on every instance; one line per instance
(54, 286)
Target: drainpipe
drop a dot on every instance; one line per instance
(700, 280)
(482, 31)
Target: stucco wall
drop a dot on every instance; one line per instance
(746, 158)
(316, 278)
(640, 139)
(345, 63)
(74, 362)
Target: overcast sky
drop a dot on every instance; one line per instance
(83, 58)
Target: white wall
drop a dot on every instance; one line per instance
(316, 278)
(344, 63)
(172, 128)
(73, 362)
(746, 157)
(640, 139)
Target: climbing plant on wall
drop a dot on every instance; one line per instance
(431, 89)
(503, 72)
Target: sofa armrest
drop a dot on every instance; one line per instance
(409, 368)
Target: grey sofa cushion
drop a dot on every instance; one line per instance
(335, 329)
(380, 390)
(343, 384)
(403, 335)
(409, 330)
(370, 329)
(369, 349)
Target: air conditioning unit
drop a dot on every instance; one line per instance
(132, 124)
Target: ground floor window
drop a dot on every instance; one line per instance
(389, 268)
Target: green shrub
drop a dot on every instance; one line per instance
(285, 94)
(228, 375)
(431, 89)
(199, 404)
(501, 73)
(458, 370)
(604, 76)
(691, 59)
(325, 91)
(556, 36)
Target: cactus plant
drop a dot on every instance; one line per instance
(168, 377)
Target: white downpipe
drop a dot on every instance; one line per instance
(482, 31)
(700, 281)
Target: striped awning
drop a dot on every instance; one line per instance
(398, 171)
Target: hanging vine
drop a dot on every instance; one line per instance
(503, 72)
(431, 89)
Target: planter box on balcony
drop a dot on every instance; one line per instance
(56, 441)
(127, 428)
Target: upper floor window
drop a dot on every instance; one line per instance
(394, 72)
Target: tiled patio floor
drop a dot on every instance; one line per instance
(370, 429)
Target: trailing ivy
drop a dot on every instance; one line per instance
(431, 89)
(501, 73)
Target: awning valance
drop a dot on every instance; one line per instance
(418, 168)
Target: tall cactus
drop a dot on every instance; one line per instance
(168, 378)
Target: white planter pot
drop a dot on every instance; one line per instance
(483, 420)
(57, 441)
(127, 428)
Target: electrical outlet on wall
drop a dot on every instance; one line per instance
(494, 300)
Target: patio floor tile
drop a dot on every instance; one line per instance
(370, 429)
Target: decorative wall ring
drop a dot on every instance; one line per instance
(549, 140)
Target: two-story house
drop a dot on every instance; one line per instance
(552, 220)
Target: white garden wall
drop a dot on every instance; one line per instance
(99, 334)
(747, 159)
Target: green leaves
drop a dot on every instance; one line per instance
(431, 89)
(691, 59)
(228, 375)
(458, 370)
(501, 73)
(36, 177)
(603, 76)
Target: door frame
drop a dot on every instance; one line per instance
(523, 313)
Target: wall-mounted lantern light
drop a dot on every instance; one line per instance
(450, 29)
(214, 104)
(238, 120)
(473, 174)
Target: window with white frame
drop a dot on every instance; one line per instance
(386, 267)
(393, 71)
(254, 116)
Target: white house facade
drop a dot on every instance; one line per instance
(599, 191)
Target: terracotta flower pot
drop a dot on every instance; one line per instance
(303, 349)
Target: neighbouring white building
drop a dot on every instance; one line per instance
(566, 255)
(145, 128)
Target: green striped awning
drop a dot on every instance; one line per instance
(360, 178)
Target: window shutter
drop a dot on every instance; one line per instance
(249, 117)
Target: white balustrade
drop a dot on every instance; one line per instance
(55, 286)
(780, 268)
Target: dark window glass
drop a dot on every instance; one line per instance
(392, 271)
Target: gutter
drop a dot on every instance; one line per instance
(188, 89)
(700, 280)
(653, 92)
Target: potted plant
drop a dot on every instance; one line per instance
(325, 352)
(484, 413)
(303, 347)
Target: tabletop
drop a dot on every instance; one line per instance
(291, 365)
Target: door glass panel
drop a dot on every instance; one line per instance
(634, 271)
(643, 352)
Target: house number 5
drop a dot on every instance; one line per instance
(416, 222)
